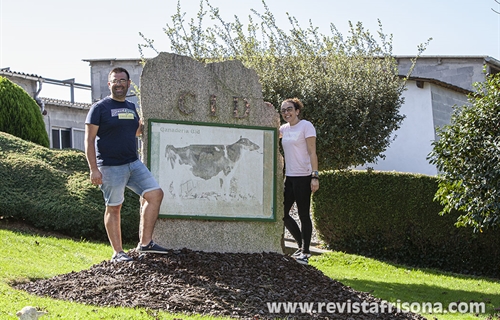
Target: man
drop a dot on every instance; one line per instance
(111, 128)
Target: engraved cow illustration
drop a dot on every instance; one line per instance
(207, 162)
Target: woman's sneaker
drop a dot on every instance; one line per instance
(151, 248)
(121, 257)
(297, 253)
(303, 258)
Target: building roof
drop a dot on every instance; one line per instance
(440, 83)
(7, 72)
(65, 103)
(484, 57)
(114, 59)
(490, 60)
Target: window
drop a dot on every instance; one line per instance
(61, 138)
(78, 139)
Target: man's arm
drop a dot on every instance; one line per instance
(90, 153)
(140, 129)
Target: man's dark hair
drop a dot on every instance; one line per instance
(119, 70)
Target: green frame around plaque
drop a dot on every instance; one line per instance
(214, 171)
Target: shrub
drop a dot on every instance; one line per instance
(20, 114)
(467, 154)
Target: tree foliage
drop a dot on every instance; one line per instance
(349, 86)
(468, 156)
(20, 115)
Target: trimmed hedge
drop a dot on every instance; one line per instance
(51, 190)
(392, 216)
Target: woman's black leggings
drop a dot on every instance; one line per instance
(298, 190)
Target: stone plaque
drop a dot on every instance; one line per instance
(212, 144)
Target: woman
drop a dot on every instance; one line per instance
(298, 138)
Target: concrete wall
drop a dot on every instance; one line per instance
(458, 71)
(29, 85)
(99, 76)
(442, 101)
(62, 116)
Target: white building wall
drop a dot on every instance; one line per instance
(425, 109)
(412, 144)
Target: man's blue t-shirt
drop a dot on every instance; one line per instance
(116, 142)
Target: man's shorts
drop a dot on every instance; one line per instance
(135, 175)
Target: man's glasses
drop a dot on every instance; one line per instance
(289, 109)
(121, 81)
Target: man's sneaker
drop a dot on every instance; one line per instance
(297, 253)
(303, 258)
(151, 248)
(121, 257)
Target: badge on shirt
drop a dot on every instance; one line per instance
(123, 114)
(127, 115)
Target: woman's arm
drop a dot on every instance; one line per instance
(311, 150)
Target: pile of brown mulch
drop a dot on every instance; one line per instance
(238, 285)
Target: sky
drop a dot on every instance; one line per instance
(51, 38)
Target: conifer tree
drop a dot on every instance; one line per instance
(20, 115)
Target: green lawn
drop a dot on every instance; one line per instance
(399, 284)
(24, 256)
(29, 256)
